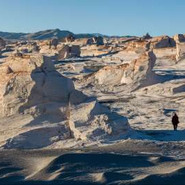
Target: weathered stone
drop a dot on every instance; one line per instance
(54, 42)
(162, 42)
(69, 52)
(139, 46)
(179, 38)
(30, 80)
(147, 36)
(98, 40)
(138, 72)
(69, 38)
(180, 51)
(2, 43)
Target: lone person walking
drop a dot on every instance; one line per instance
(175, 121)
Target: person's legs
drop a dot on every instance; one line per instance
(174, 126)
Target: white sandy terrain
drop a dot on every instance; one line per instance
(101, 118)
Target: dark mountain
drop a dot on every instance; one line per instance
(9, 35)
(41, 35)
(46, 34)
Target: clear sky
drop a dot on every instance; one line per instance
(112, 17)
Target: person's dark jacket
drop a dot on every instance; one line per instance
(175, 119)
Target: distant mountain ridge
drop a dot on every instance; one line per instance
(46, 34)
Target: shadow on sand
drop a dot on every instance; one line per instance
(97, 168)
(161, 135)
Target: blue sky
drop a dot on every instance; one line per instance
(112, 17)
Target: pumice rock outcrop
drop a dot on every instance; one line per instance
(138, 72)
(179, 38)
(98, 41)
(180, 46)
(138, 46)
(146, 36)
(53, 43)
(26, 79)
(31, 87)
(180, 51)
(69, 52)
(162, 42)
(2, 43)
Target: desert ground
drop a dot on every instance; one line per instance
(93, 110)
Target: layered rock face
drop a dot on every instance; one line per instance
(138, 72)
(30, 86)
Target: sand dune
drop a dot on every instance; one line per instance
(72, 167)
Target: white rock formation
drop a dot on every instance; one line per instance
(41, 103)
(180, 51)
(110, 75)
(138, 72)
(22, 77)
(69, 52)
(138, 46)
(90, 41)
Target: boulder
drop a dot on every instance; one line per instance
(110, 75)
(180, 51)
(54, 42)
(147, 36)
(179, 38)
(69, 52)
(69, 38)
(90, 41)
(162, 42)
(137, 73)
(98, 40)
(2, 43)
(140, 71)
(138, 46)
(83, 41)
